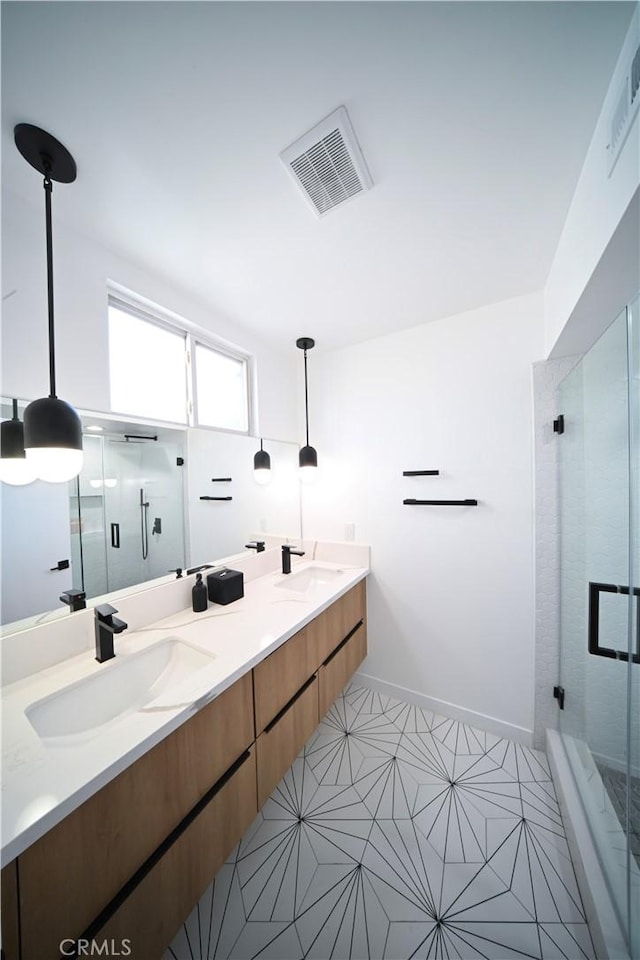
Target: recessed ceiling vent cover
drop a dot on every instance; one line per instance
(624, 111)
(327, 163)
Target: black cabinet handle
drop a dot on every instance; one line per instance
(595, 589)
(115, 535)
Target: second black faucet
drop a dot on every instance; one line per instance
(287, 553)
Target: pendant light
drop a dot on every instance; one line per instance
(262, 466)
(307, 458)
(52, 428)
(14, 467)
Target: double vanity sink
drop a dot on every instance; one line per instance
(72, 727)
(126, 784)
(131, 682)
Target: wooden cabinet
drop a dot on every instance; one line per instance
(152, 913)
(279, 677)
(278, 745)
(69, 875)
(332, 626)
(336, 672)
(9, 909)
(132, 861)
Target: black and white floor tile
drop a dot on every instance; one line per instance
(398, 834)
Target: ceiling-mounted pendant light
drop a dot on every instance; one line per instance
(262, 466)
(14, 467)
(307, 458)
(52, 428)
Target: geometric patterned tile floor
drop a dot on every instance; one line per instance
(398, 834)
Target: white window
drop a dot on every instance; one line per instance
(221, 390)
(147, 364)
(151, 374)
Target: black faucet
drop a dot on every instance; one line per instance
(287, 551)
(257, 545)
(75, 599)
(106, 625)
(203, 566)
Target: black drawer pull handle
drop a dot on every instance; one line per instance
(289, 704)
(342, 643)
(115, 535)
(105, 915)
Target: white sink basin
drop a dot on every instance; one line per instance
(119, 687)
(309, 579)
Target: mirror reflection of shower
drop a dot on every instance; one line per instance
(144, 524)
(124, 478)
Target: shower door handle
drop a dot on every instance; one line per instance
(115, 535)
(595, 589)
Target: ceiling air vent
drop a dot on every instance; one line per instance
(327, 163)
(624, 111)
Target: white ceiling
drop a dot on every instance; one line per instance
(474, 119)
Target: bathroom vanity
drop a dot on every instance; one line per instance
(133, 857)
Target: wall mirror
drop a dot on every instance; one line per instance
(149, 498)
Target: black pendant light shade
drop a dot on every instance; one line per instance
(262, 466)
(52, 428)
(308, 457)
(14, 468)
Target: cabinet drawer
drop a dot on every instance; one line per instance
(278, 746)
(278, 678)
(336, 673)
(9, 911)
(153, 912)
(331, 627)
(69, 875)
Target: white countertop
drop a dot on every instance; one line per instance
(43, 780)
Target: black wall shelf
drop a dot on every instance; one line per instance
(440, 503)
(420, 473)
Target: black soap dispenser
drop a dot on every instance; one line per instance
(199, 595)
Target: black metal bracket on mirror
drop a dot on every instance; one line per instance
(595, 589)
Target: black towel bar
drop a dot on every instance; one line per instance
(441, 503)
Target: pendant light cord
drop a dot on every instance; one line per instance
(48, 187)
(306, 395)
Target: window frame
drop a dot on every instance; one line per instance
(192, 334)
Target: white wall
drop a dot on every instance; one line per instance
(82, 269)
(451, 595)
(574, 320)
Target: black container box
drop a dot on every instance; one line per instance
(225, 586)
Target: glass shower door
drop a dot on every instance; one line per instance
(144, 510)
(599, 602)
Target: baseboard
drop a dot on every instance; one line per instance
(491, 724)
(606, 932)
